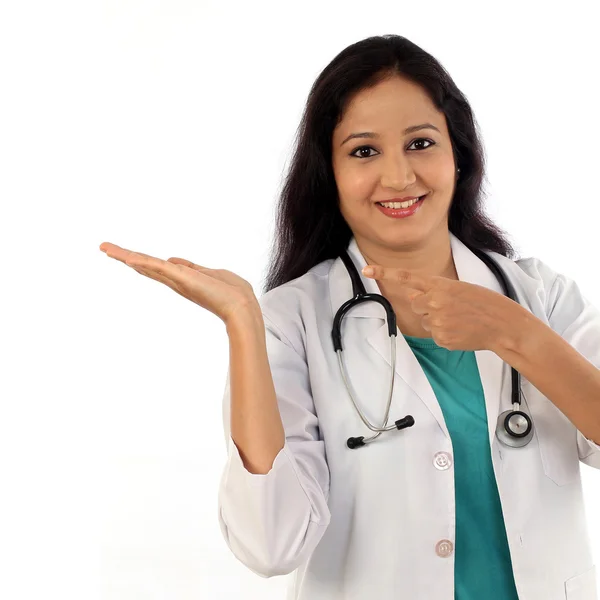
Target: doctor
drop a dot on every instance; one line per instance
(440, 509)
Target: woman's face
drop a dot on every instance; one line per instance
(394, 164)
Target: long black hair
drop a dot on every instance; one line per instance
(309, 227)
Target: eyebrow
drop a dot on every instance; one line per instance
(371, 134)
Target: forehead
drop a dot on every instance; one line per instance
(389, 107)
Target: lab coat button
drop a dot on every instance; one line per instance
(442, 461)
(444, 548)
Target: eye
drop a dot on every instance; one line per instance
(431, 143)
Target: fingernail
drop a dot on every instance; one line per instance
(368, 271)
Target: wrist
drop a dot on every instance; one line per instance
(245, 319)
(519, 326)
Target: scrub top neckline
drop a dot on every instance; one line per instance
(420, 342)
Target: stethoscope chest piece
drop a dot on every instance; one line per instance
(514, 428)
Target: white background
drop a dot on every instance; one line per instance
(166, 127)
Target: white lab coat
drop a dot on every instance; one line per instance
(342, 519)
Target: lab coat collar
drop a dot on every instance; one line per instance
(469, 268)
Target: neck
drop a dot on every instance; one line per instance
(434, 258)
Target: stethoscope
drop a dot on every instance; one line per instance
(514, 427)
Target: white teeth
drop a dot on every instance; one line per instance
(399, 204)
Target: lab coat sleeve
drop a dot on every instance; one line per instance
(577, 320)
(272, 522)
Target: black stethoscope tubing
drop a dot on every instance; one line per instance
(514, 427)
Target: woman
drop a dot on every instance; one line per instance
(440, 509)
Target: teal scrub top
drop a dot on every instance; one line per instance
(482, 567)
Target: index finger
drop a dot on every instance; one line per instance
(402, 276)
(122, 254)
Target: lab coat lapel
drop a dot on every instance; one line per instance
(470, 269)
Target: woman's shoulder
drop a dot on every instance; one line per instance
(560, 295)
(291, 306)
(530, 270)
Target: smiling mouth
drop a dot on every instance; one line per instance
(419, 199)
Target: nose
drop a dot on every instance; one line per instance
(397, 172)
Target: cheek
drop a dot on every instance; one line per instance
(351, 181)
(354, 212)
(356, 194)
(361, 185)
(355, 205)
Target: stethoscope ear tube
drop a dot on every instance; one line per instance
(514, 427)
